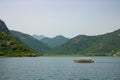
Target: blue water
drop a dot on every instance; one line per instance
(59, 68)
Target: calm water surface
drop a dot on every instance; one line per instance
(59, 68)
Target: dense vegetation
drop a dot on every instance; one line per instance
(33, 43)
(12, 43)
(101, 45)
(9, 46)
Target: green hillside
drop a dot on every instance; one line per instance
(9, 46)
(109, 45)
(101, 45)
(14, 43)
(56, 41)
(33, 43)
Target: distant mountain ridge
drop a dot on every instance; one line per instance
(39, 37)
(14, 43)
(56, 41)
(31, 42)
(52, 42)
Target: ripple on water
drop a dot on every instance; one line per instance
(59, 68)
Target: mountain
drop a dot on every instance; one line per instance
(31, 42)
(101, 45)
(39, 37)
(56, 41)
(3, 27)
(9, 46)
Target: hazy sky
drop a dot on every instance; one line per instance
(61, 17)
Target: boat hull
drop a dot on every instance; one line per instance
(84, 61)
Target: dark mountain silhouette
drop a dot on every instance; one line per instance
(3, 27)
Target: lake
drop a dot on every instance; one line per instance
(59, 68)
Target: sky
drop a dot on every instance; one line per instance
(61, 17)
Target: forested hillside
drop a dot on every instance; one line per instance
(101, 45)
(9, 46)
(33, 43)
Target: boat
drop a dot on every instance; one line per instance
(84, 60)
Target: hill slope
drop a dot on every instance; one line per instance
(38, 37)
(9, 46)
(31, 42)
(3, 27)
(56, 41)
(101, 45)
